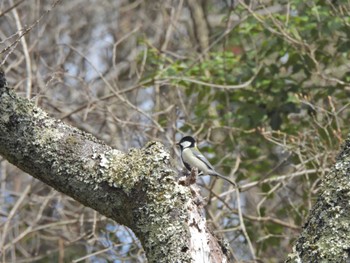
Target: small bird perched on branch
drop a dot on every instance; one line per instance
(192, 158)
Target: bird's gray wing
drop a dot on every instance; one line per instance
(215, 173)
(200, 156)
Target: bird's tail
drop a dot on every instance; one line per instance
(226, 179)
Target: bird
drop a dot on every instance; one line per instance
(192, 158)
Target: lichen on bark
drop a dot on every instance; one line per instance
(325, 236)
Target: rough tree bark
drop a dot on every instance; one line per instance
(136, 189)
(325, 236)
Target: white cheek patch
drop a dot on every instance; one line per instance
(185, 144)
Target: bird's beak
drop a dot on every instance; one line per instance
(177, 144)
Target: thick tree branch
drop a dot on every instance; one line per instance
(136, 189)
(325, 236)
(200, 24)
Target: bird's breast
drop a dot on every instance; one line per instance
(190, 159)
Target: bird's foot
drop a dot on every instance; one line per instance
(189, 178)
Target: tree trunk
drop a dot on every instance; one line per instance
(325, 236)
(136, 189)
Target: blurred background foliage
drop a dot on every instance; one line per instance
(262, 85)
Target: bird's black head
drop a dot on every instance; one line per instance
(187, 142)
